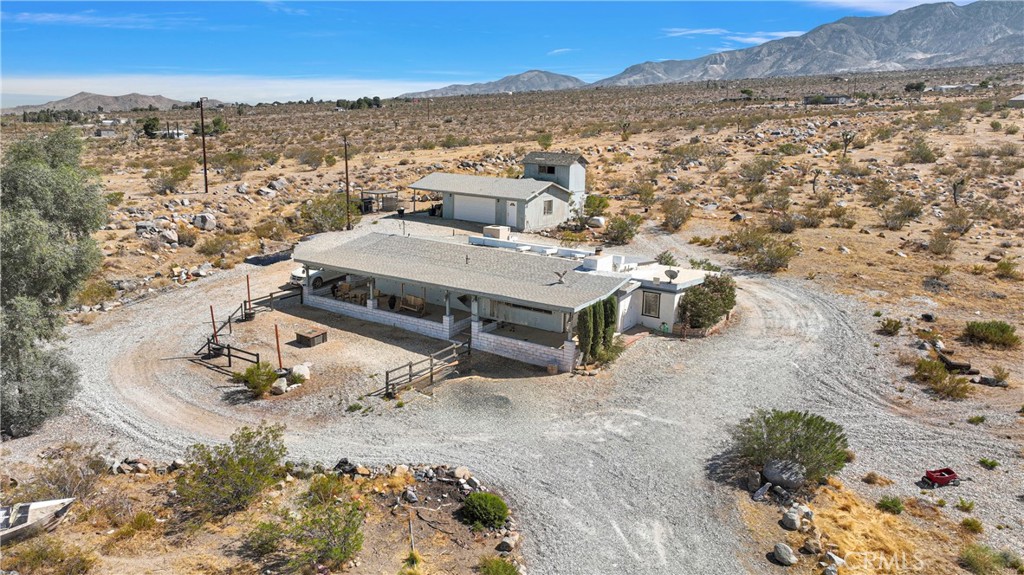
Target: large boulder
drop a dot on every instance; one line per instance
(278, 185)
(206, 222)
(303, 370)
(280, 387)
(169, 236)
(791, 521)
(784, 554)
(753, 480)
(788, 474)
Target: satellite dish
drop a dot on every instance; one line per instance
(672, 274)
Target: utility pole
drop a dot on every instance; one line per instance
(348, 199)
(202, 132)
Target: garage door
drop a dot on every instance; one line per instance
(474, 209)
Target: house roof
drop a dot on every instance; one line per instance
(526, 279)
(553, 159)
(485, 186)
(1017, 98)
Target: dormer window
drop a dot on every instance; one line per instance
(546, 170)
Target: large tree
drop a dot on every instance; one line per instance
(50, 207)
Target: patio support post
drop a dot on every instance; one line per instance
(476, 309)
(447, 303)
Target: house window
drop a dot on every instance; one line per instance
(546, 169)
(652, 304)
(549, 207)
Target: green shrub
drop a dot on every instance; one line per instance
(890, 326)
(114, 199)
(944, 384)
(496, 566)
(675, 213)
(487, 509)
(998, 334)
(988, 463)
(328, 534)
(49, 555)
(328, 213)
(227, 478)
(982, 560)
(976, 419)
(785, 223)
(772, 257)
(810, 440)
(897, 216)
(965, 505)
(890, 504)
(258, 377)
(326, 489)
(1007, 270)
(622, 229)
(96, 292)
(918, 152)
(666, 258)
(187, 235)
(972, 525)
(217, 245)
(877, 192)
(265, 539)
(704, 264)
(701, 306)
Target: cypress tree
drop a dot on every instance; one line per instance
(611, 317)
(597, 312)
(585, 332)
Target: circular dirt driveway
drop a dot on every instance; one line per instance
(606, 474)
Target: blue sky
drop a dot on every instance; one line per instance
(266, 51)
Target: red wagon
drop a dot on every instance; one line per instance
(940, 478)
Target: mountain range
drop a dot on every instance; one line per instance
(986, 32)
(89, 102)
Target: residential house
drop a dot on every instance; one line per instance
(822, 99)
(1016, 101)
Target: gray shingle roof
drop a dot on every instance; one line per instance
(553, 158)
(526, 279)
(486, 186)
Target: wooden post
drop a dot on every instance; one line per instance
(431, 370)
(248, 293)
(229, 356)
(213, 321)
(412, 542)
(277, 337)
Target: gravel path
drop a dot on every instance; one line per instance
(605, 473)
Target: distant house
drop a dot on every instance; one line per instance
(1016, 101)
(544, 197)
(173, 134)
(822, 99)
(105, 133)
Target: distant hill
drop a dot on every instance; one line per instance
(531, 81)
(88, 102)
(987, 32)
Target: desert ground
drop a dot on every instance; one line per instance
(620, 470)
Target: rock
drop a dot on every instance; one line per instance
(303, 370)
(473, 482)
(737, 218)
(360, 470)
(206, 222)
(805, 512)
(762, 493)
(989, 381)
(279, 387)
(344, 467)
(784, 554)
(242, 188)
(177, 464)
(791, 521)
(267, 193)
(929, 317)
(278, 185)
(462, 472)
(169, 236)
(844, 250)
(835, 559)
(812, 546)
(788, 474)
(753, 480)
(145, 227)
(410, 495)
(509, 542)
(400, 471)
(830, 570)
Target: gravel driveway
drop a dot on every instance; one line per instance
(606, 473)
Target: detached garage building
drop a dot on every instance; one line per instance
(523, 205)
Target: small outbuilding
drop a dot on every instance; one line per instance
(1016, 101)
(522, 205)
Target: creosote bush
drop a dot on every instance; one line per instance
(810, 440)
(701, 306)
(944, 384)
(226, 478)
(496, 566)
(329, 534)
(486, 509)
(890, 504)
(984, 560)
(998, 334)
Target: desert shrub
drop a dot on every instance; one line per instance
(487, 509)
(703, 305)
(219, 244)
(1000, 373)
(264, 539)
(791, 149)
(644, 192)
(274, 228)
(328, 213)
(622, 229)
(890, 504)
(982, 560)
(595, 206)
(918, 152)
(958, 220)
(810, 440)
(496, 566)
(258, 378)
(187, 235)
(325, 489)
(941, 244)
(95, 292)
(74, 471)
(1007, 270)
(877, 192)
(785, 223)
(965, 505)
(611, 351)
(114, 199)
(971, 525)
(666, 258)
(772, 257)
(757, 169)
(704, 264)
(227, 478)
(170, 179)
(988, 463)
(776, 201)
(571, 239)
(49, 555)
(810, 218)
(1012, 130)
(328, 534)
(873, 478)
(897, 216)
(890, 326)
(998, 334)
(675, 213)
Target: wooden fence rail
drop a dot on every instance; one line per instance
(433, 368)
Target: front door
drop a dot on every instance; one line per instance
(510, 215)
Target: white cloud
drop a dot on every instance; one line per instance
(227, 88)
(284, 8)
(558, 51)
(762, 37)
(877, 6)
(675, 32)
(91, 19)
